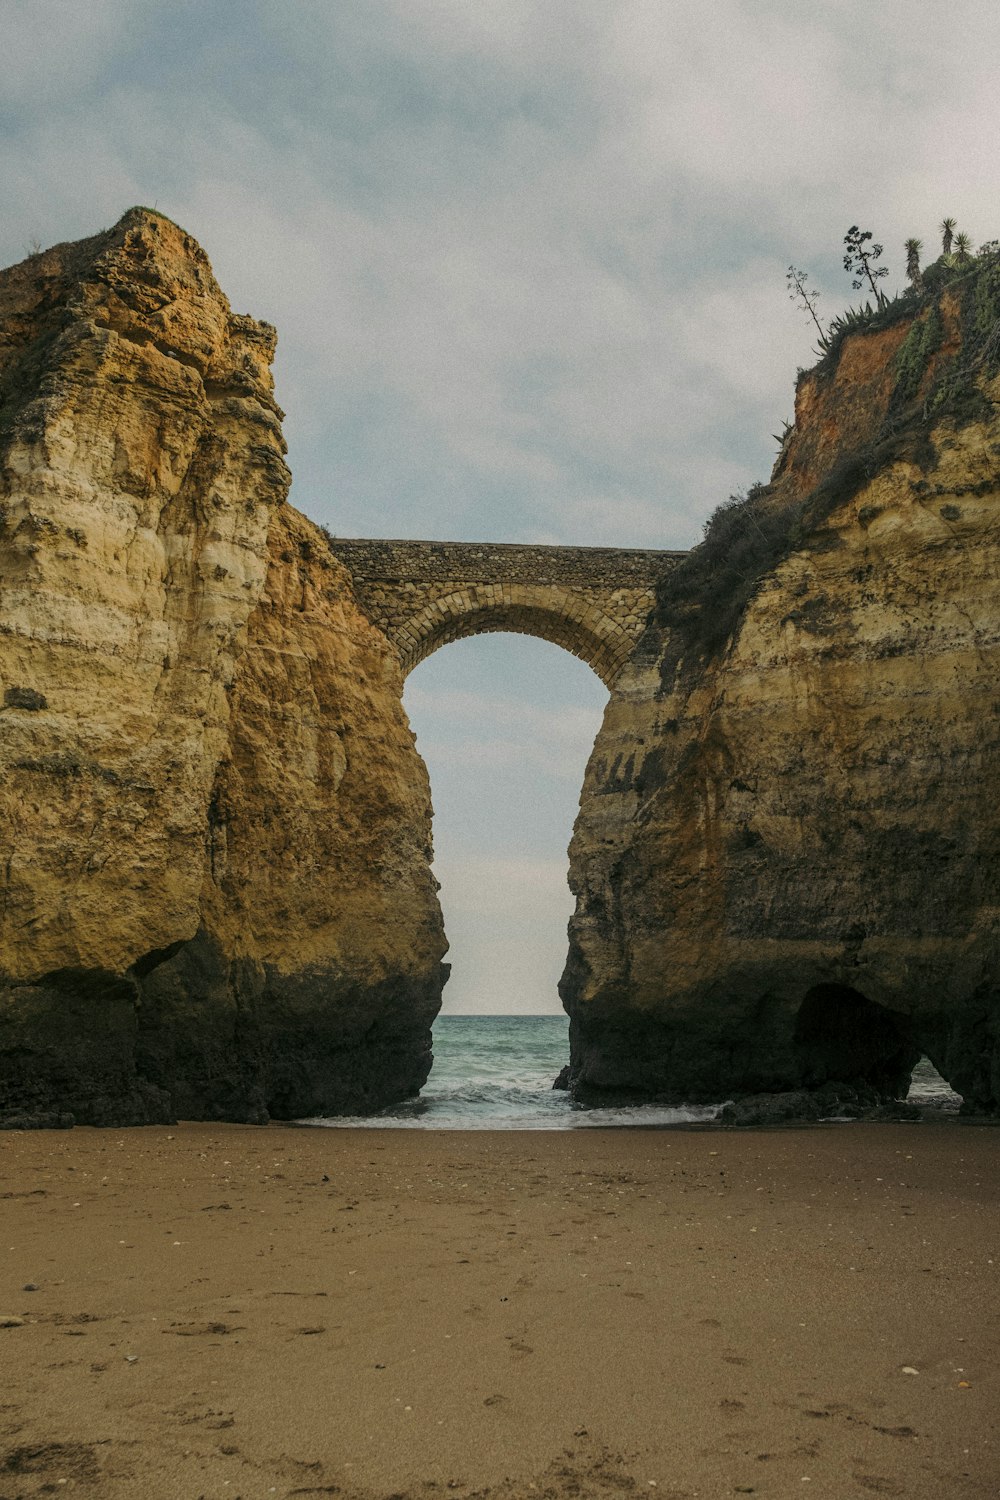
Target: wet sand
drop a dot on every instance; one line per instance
(223, 1311)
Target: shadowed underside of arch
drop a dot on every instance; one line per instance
(590, 635)
(593, 601)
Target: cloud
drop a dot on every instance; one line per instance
(491, 887)
(478, 733)
(487, 901)
(526, 262)
(53, 52)
(487, 716)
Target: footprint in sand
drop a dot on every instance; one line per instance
(216, 1420)
(211, 1418)
(878, 1484)
(75, 1460)
(200, 1330)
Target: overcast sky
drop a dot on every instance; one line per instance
(527, 263)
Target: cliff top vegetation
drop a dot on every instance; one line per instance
(957, 264)
(937, 372)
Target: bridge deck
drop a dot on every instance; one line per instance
(498, 562)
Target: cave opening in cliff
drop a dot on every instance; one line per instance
(843, 1037)
(505, 724)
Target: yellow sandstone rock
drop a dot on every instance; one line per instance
(787, 860)
(216, 830)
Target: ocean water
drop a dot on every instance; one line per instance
(933, 1094)
(496, 1072)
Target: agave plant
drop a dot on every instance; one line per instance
(963, 249)
(846, 322)
(913, 249)
(947, 227)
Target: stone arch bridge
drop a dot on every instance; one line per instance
(592, 600)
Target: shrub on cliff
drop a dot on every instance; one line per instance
(702, 602)
(704, 598)
(864, 319)
(916, 351)
(960, 271)
(955, 387)
(974, 283)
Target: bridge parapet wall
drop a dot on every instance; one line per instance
(593, 601)
(498, 562)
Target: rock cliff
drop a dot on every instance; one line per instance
(216, 896)
(787, 860)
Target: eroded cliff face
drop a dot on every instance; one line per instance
(787, 861)
(216, 896)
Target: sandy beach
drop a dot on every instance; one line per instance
(224, 1311)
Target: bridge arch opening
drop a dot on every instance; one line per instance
(505, 725)
(588, 634)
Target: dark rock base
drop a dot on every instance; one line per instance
(808, 1106)
(191, 1034)
(835, 1044)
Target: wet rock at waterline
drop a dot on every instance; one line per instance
(217, 896)
(787, 860)
(803, 1106)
